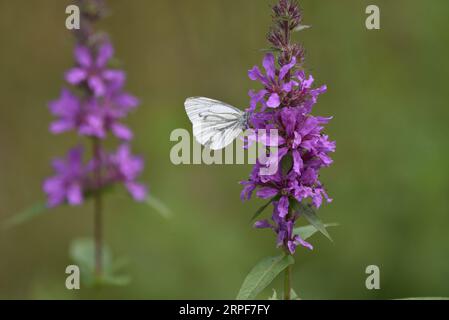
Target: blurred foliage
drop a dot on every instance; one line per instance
(82, 252)
(388, 95)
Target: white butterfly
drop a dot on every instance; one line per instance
(215, 124)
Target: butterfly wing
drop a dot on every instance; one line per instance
(215, 124)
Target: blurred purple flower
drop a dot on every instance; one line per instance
(68, 109)
(94, 111)
(103, 116)
(91, 69)
(126, 168)
(68, 182)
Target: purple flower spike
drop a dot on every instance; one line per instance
(285, 103)
(94, 107)
(96, 110)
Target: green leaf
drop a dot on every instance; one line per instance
(82, 252)
(268, 50)
(306, 232)
(26, 215)
(274, 296)
(310, 215)
(157, 205)
(261, 209)
(262, 275)
(293, 295)
(286, 164)
(114, 280)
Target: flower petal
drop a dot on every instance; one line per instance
(274, 101)
(255, 74)
(285, 69)
(269, 65)
(121, 131)
(291, 245)
(262, 224)
(60, 126)
(105, 53)
(138, 191)
(306, 84)
(93, 126)
(283, 206)
(83, 56)
(97, 85)
(297, 161)
(288, 87)
(256, 97)
(75, 76)
(116, 77)
(303, 243)
(74, 194)
(267, 192)
(126, 100)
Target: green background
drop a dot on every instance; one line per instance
(390, 180)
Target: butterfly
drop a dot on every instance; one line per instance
(215, 124)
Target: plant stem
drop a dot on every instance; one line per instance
(98, 234)
(98, 208)
(288, 283)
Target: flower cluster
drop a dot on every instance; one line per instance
(285, 104)
(93, 107)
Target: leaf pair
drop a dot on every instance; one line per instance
(82, 252)
(293, 295)
(41, 207)
(269, 268)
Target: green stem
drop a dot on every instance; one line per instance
(288, 283)
(98, 209)
(98, 234)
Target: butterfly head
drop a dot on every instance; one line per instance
(245, 120)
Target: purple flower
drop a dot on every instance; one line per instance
(126, 168)
(306, 95)
(68, 182)
(93, 117)
(94, 110)
(284, 228)
(91, 69)
(286, 103)
(285, 187)
(68, 109)
(301, 135)
(103, 115)
(273, 81)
